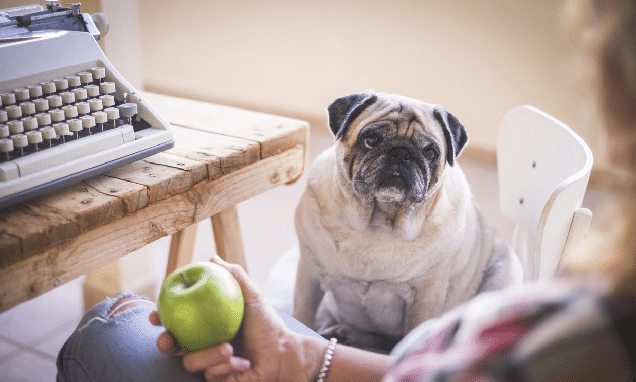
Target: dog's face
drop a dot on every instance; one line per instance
(391, 149)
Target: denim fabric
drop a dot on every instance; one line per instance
(118, 348)
(123, 348)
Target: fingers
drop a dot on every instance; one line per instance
(154, 318)
(234, 365)
(167, 344)
(199, 361)
(251, 293)
(264, 318)
(216, 361)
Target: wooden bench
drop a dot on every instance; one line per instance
(222, 156)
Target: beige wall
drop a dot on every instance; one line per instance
(478, 58)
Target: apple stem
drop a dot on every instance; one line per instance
(188, 282)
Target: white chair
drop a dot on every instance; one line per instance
(543, 169)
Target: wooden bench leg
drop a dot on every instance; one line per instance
(227, 236)
(131, 273)
(181, 248)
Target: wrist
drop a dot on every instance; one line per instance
(326, 360)
(302, 357)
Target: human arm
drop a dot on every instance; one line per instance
(266, 350)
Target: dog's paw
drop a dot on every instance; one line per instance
(349, 336)
(341, 332)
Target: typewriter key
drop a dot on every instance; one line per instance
(86, 78)
(80, 94)
(34, 138)
(29, 123)
(95, 104)
(107, 100)
(55, 101)
(92, 91)
(107, 87)
(100, 119)
(67, 98)
(7, 98)
(112, 114)
(6, 147)
(44, 119)
(57, 115)
(28, 108)
(61, 85)
(98, 74)
(73, 81)
(83, 108)
(88, 122)
(20, 141)
(14, 111)
(21, 94)
(48, 88)
(48, 134)
(70, 111)
(35, 91)
(62, 130)
(15, 127)
(75, 126)
(127, 111)
(41, 104)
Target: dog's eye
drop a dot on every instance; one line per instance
(371, 141)
(430, 154)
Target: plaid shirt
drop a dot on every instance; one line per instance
(550, 332)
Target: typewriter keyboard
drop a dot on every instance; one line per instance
(78, 111)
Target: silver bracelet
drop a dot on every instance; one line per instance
(326, 360)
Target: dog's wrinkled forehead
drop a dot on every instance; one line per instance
(349, 112)
(362, 109)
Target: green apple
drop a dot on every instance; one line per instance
(201, 304)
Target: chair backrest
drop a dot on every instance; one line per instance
(543, 169)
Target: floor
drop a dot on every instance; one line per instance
(32, 333)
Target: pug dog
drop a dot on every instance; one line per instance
(389, 235)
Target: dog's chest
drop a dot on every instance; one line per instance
(379, 255)
(376, 306)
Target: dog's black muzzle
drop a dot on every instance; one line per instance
(398, 169)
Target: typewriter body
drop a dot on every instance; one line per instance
(66, 114)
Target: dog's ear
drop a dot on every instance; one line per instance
(345, 109)
(454, 132)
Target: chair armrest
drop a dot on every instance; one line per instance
(578, 229)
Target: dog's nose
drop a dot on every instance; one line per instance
(400, 154)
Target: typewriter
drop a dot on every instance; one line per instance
(66, 114)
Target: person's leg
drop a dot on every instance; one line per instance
(115, 341)
(296, 326)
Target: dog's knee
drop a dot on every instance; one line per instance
(128, 303)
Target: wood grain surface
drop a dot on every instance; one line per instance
(222, 156)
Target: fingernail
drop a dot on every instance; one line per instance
(217, 259)
(242, 364)
(226, 350)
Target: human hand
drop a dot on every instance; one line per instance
(264, 349)
(222, 357)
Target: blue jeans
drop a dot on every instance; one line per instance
(123, 347)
